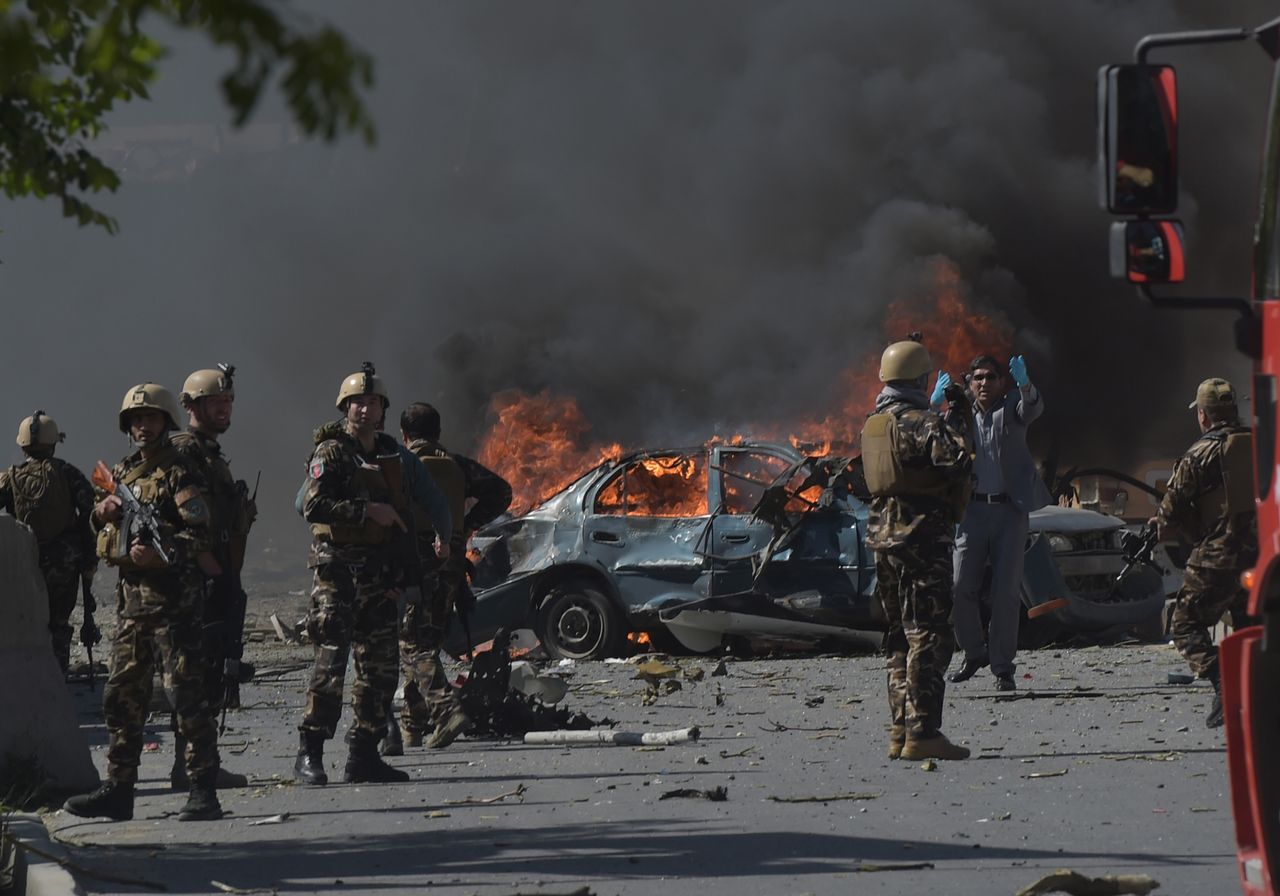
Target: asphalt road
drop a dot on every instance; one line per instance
(1095, 764)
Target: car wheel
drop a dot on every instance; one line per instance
(577, 622)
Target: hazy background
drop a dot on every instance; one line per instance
(690, 216)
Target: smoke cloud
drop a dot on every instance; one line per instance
(691, 217)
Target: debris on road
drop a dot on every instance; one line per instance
(825, 798)
(615, 738)
(1057, 774)
(715, 794)
(239, 891)
(517, 794)
(905, 866)
(1076, 884)
(273, 819)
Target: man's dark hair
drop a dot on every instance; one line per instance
(420, 421)
(989, 362)
(1221, 413)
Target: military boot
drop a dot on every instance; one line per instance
(202, 804)
(447, 731)
(392, 743)
(410, 736)
(936, 747)
(1214, 718)
(111, 800)
(365, 766)
(897, 737)
(309, 766)
(178, 774)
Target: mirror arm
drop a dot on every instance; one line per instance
(1248, 327)
(1182, 38)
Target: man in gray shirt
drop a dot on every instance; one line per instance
(1007, 488)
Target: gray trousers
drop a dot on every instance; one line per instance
(994, 534)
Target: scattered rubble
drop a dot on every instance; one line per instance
(1076, 884)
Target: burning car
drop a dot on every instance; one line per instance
(754, 539)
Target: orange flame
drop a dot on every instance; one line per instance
(539, 443)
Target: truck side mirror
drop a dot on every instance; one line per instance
(1138, 139)
(1148, 251)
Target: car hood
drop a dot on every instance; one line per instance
(1071, 519)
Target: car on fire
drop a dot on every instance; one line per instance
(756, 540)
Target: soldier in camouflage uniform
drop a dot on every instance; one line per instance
(55, 500)
(354, 497)
(158, 604)
(1210, 503)
(476, 496)
(917, 468)
(208, 397)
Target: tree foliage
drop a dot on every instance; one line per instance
(65, 63)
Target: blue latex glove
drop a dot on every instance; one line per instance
(1018, 370)
(944, 380)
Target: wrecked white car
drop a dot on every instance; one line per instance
(693, 546)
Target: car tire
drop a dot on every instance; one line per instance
(578, 622)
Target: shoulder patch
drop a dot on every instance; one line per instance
(317, 469)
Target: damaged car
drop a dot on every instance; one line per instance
(694, 546)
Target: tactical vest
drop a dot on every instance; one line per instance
(150, 485)
(882, 451)
(372, 483)
(42, 498)
(451, 481)
(1235, 493)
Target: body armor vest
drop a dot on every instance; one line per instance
(1235, 493)
(448, 477)
(42, 498)
(373, 483)
(887, 476)
(149, 484)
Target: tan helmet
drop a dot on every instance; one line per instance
(904, 360)
(38, 431)
(362, 383)
(204, 383)
(148, 397)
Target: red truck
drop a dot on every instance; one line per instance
(1138, 157)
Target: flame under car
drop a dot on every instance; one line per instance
(754, 540)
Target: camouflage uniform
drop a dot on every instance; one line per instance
(229, 520)
(65, 556)
(1224, 548)
(158, 620)
(913, 537)
(351, 612)
(428, 697)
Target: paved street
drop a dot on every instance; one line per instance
(1096, 764)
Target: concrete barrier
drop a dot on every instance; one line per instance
(37, 718)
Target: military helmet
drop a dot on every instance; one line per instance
(148, 397)
(204, 383)
(906, 360)
(362, 383)
(38, 431)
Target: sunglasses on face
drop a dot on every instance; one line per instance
(983, 377)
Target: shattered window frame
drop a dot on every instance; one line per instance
(641, 504)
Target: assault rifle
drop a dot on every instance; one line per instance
(89, 632)
(1137, 547)
(138, 521)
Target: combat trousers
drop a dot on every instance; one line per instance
(428, 696)
(351, 616)
(914, 586)
(995, 533)
(170, 641)
(1205, 595)
(62, 582)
